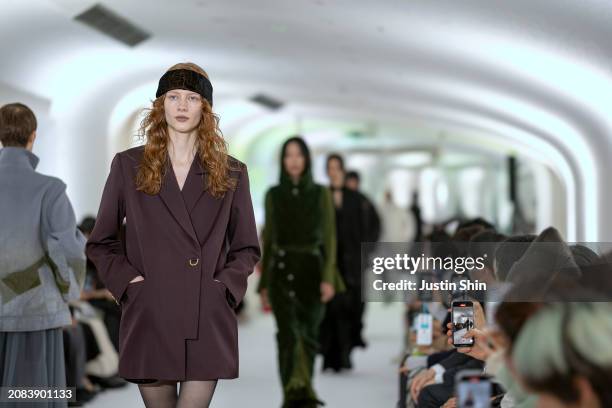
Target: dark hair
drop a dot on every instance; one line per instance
(17, 123)
(210, 144)
(570, 358)
(584, 256)
(511, 317)
(334, 156)
(509, 251)
(352, 175)
(303, 149)
(464, 234)
(441, 244)
(478, 221)
(87, 225)
(481, 243)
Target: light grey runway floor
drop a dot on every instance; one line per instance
(372, 383)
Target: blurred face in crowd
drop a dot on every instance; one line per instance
(335, 173)
(352, 184)
(485, 274)
(586, 399)
(294, 161)
(183, 110)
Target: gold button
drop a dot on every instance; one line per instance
(194, 261)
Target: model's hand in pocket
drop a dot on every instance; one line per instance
(137, 279)
(327, 292)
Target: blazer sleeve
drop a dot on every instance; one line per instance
(268, 238)
(104, 248)
(243, 252)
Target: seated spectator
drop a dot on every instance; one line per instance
(96, 293)
(563, 355)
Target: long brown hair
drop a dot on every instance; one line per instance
(212, 148)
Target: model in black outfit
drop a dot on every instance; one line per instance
(341, 326)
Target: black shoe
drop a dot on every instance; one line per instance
(108, 382)
(345, 362)
(361, 343)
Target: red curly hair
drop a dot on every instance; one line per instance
(211, 147)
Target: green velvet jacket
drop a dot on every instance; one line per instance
(300, 217)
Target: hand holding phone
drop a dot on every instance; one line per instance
(473, 389)
(482, 348)
(462, 319)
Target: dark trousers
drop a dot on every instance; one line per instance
(294, 295)
(435, 395)
(297, 339)
(337, 332)
(357, 311)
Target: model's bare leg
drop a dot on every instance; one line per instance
(196, 394)
(160, 394)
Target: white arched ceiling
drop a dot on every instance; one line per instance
(531, 76)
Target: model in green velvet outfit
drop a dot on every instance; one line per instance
(299, 273)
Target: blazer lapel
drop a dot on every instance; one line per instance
(171, 196)
(195, 184)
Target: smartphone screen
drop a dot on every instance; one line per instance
(463, 321)
(473, 391)
(424, 326)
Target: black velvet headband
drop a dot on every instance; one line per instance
(185, 79)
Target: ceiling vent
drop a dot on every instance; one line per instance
(113, 25)
(267, 101)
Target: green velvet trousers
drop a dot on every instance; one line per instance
(296, 303)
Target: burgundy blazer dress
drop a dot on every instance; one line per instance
(195, 253)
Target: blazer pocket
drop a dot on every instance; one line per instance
(229, 300)
(131, 291)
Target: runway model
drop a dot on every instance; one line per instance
(190, 244)
(299, 273)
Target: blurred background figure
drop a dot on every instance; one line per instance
(42, 262)
(342, 325)
(299, 272)
(396, 223)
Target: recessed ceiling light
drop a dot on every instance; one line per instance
(109, 23)
(268, 101)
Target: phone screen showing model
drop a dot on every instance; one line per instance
(473, 390)
(463, 321)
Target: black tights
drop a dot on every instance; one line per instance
(192, 394)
